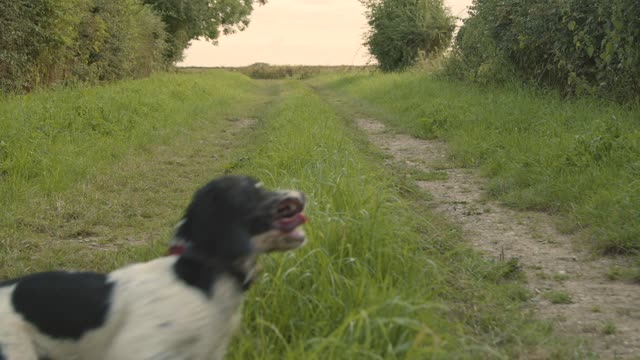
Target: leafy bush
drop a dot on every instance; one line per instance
(46, 42)
(33, 39)
(120, 39)
(403, 30)
(578, 46)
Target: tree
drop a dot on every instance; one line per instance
(401, 30)
(190, 19)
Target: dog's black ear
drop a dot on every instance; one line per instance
(215, 222)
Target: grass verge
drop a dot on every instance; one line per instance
(579, 158)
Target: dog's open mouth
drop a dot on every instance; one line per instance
(289, 216)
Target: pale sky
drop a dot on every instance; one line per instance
(296, 32)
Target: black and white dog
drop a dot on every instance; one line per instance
(176, 307)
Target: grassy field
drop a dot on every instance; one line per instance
(579, 158)
(263, 71)
(381, 277)
(50, 140)
(73, 162)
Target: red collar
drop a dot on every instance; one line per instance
(176, 250)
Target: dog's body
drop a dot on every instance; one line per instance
(152, 315)
(176, 307)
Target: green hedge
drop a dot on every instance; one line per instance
(48, 42)
(579, 46)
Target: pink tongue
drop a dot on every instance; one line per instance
(288, 224)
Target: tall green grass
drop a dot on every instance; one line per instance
(94, 178)
(580, 158)
(50, 140)
(379, 279)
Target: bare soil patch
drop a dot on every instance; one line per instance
(570, 286)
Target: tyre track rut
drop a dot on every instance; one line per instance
(569, 285)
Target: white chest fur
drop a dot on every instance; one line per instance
(167, 319)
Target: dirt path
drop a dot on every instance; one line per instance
(570, 287)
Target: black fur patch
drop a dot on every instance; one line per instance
(202, 274)
(2, 357)
(218, 225)
(217, 228)
(196, 274)
(63, 305)
(223, 215)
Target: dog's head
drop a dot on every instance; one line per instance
(235, 217)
